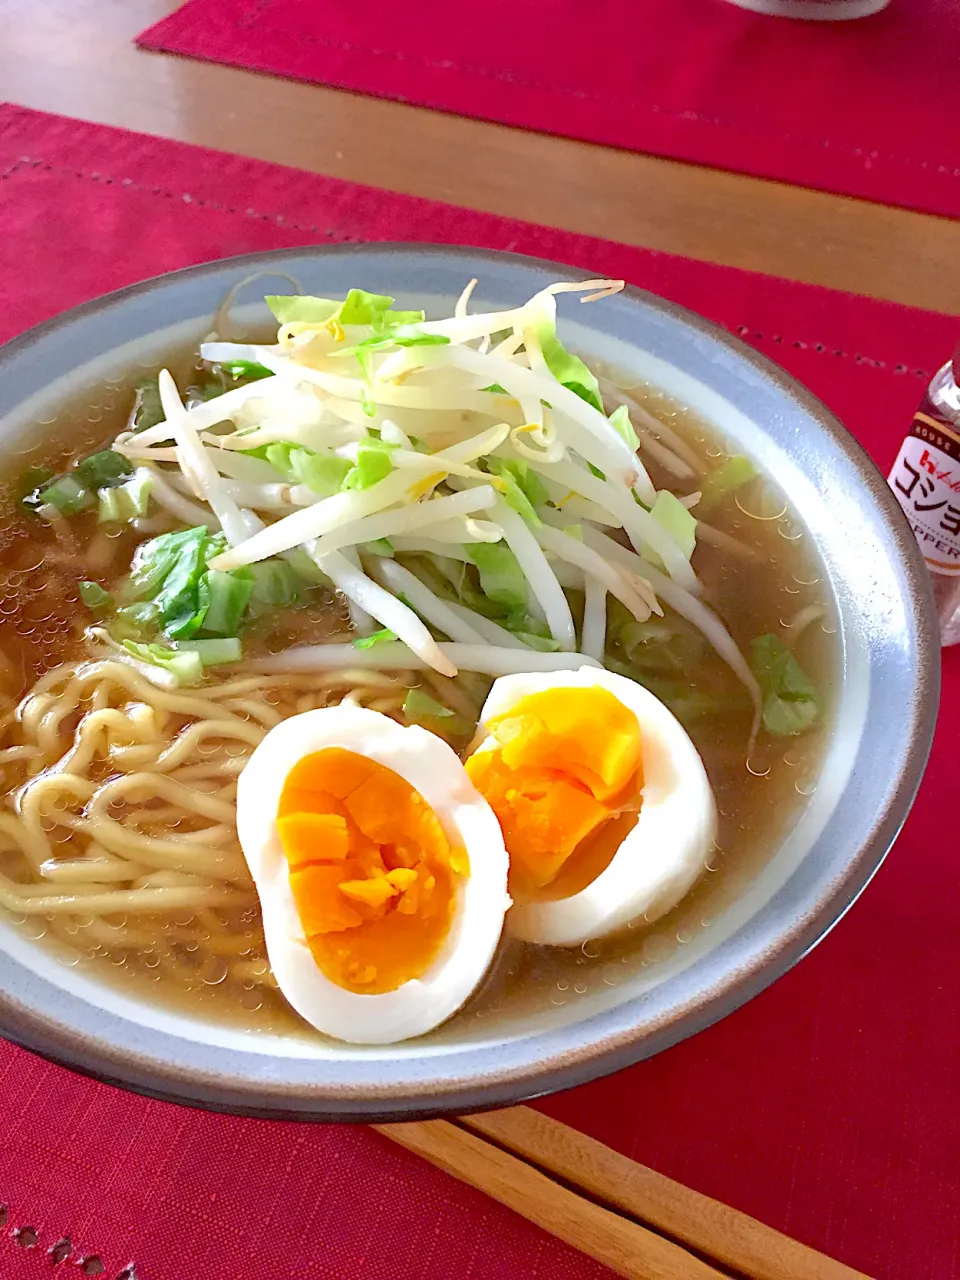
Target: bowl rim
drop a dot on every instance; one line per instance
(596, 1055)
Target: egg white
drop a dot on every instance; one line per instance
(661, 857)
(432, 767)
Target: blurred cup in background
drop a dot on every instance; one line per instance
(815, 10)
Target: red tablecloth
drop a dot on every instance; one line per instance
(866, 108)
(826, 1107)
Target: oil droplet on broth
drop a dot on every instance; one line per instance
(789, 530)
(759, 768)
(761, 500)
(214, 971)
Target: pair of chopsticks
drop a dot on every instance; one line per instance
(639, 1223)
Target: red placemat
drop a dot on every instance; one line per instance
(866, 108)
(827, 1107)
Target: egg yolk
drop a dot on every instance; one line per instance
(373, 875)
(564, 781)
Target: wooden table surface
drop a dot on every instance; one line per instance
(77, 57)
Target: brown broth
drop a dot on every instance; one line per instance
(41, 623)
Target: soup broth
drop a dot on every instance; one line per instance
(760, 574)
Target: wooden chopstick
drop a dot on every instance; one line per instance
(626, 1247)
(638, 1222)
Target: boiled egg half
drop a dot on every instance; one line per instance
(381, 872)
(604, 803)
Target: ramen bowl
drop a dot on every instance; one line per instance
(847, 812)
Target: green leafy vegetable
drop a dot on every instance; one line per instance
(247, 370)
(223, 377)
(529, 481)
(674, 518)
(173, 591)
(420, 708)
(31, 483)
(501, 578)
(723, 482)
(366, 404)
(147, 409)
(364, 356)
(170, 571)
(127, 501)
(398, 339)
(620, 421)
(545, 644)
(379, 547)
(372, 464)
(418, 705)
(420, 340)
(689, 705)
(275, 586)
(791, 703)
(96, 597)
(134, 496)
(137, 621)
(530, 630)
(108, 508)
(306, 570)
(518, 500)
(153, 560)
(523, 488)
(185, 667)
(667, 646)
(279, 456)
(324, 473)
(213, 653)
(106, 478)
(358, 307)
(302, 309)
(209, 389)
(66, 494)
(320, 470)
(519, 621)
(569, 370)
(229, 595)
(377, 637)
(104, 470)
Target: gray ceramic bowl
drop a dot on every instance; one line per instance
(884, 719)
